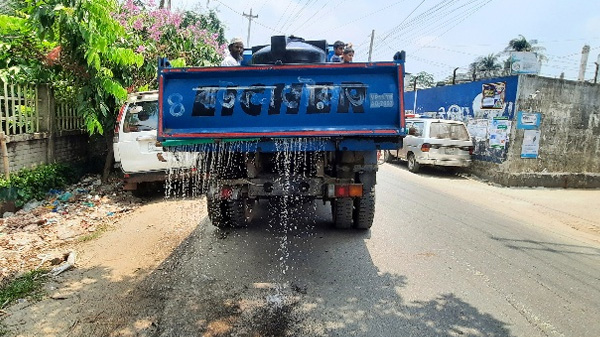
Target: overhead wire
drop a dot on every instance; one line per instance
(365, 16)
(426, 16)
(430, 29)
(283, 14)
(290, 15)
(255, 21)
(295, 13)
(423, 21)
(312, 17)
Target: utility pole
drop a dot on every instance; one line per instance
(371, 45)
(454, 75)
(250, 17)
(585, 52)
(597, 65)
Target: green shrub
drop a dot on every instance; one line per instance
(29, 184)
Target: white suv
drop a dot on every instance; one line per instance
(435, 142)
(135, 144)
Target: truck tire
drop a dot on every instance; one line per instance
(227, 213)
(235, 211)
(364, 209)
(216, 212)
(342, 209)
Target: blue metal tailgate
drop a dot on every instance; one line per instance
(317, 100)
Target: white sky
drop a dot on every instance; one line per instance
(437, 35)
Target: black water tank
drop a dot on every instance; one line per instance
(285, 50)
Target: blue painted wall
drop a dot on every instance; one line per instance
(464, 102)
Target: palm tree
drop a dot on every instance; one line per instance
(489, 66)
(522, 44)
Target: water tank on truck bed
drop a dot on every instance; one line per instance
(289, 126)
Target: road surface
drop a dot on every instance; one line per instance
(447, 256)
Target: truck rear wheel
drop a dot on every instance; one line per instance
(215, 212)
(342, 209)
(364, 209)
(227, 213)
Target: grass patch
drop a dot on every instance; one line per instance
(103, 228)
(27, 285)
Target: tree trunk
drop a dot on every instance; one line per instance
(110, 156)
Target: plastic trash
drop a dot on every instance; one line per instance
(65, 196)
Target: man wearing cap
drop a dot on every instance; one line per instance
(338, 49)
(236, 49)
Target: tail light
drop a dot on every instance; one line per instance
(346, 190)
(425, 147)
(118, 123)
(226, 192)
(468, 148)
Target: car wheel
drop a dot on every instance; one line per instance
(413, 166)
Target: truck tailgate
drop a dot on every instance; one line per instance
(317, 100)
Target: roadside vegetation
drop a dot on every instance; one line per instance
(35, 183)
(96, 51)
(27, 286)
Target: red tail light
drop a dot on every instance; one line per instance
(226, 192)
(425, 147)
(118, 124)
(471, 149)
(350, 190)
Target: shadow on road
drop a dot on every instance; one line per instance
(287, 274)
(431, 171)
(551, 247)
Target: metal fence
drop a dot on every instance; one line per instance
(20, 111)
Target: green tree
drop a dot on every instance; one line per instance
(91, 50)
(521, 44)
(488, 66)
(22, 55)
(422, 79)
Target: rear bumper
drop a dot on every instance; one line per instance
(451, 162)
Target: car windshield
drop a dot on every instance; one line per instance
(141, 116)
(449, 131)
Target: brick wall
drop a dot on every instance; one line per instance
(26, 151)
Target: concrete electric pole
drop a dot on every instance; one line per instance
(585, 52)
(596, 74)
(250, 17)
(371, 45)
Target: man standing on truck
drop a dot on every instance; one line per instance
(236, 49)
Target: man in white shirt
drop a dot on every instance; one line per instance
(236, 49)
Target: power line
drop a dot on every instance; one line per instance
(429, 29)
(293, 13)
(365, 16)
(255, 21)
(282, 15)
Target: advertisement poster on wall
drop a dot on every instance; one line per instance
(498, 131)
(478, 128)
(531, 144)
(524, 63)
(492, 95)
(528, 120)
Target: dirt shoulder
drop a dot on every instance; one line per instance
(107, 268)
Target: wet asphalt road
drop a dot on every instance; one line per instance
(432, 265)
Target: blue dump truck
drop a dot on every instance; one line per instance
(286, 126)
